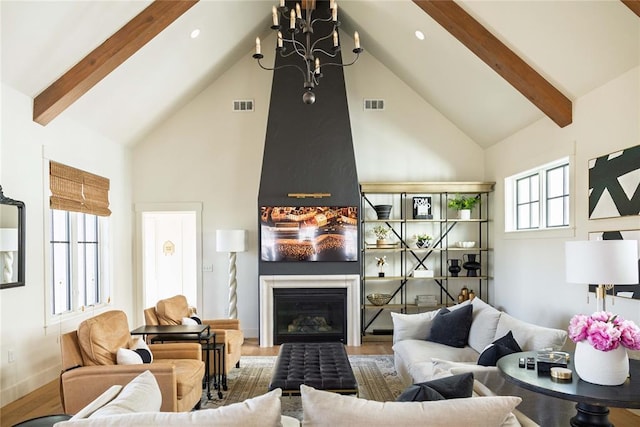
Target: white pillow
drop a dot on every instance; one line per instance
(142, 394)
(412, 326)
(262, 410)
(188, 321)
(140, 344)
(124, 356)
(530, 337)
(484, 324)
(322, 408)
(98, 402)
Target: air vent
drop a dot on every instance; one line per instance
(243, 105)
(374, 104)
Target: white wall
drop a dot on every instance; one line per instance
(24, 146)
(208, 153)
(529, 267)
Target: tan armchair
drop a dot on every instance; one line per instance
(89, 365)
(170, 311)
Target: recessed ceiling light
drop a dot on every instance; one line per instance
(419, 35)
(195, 33)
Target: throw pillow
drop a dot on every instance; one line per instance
(264, 410)
(452, 327)
(412, 326)
(143, 350)
(142, 394)
(98, 402)
(531, 337)
(125, 356)
(189, 321)
(500, 347)
(453, 387)
(323, 408)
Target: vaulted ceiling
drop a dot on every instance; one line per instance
(565, 49)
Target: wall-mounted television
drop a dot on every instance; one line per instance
(309, 233)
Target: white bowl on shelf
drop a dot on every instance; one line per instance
(466, 245)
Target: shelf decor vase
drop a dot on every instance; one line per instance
(383, 211)
(454, 267)
(601, 367)
(422, 244)
(464, 214)
(471, 265)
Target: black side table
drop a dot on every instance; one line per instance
(592, 400)
(44, 421)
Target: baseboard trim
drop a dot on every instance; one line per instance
(29, 384)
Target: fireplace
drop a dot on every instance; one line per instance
(309, 315)
(307, 288)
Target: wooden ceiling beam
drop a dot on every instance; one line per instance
(502, 59)
(634, 5)
(106, 58)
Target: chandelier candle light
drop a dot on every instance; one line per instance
(298, 38)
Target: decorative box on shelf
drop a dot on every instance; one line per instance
(426, 300)
(422, 273)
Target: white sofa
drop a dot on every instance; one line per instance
(415, 357)
(137, 405)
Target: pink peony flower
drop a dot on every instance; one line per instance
(604, 331)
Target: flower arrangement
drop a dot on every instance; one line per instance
(604, 331)
(381, 232)
(462, 202)
(381, 261)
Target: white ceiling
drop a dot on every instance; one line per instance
(575, 45)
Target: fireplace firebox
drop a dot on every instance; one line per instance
(309, 315)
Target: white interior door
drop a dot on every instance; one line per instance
(169, 256)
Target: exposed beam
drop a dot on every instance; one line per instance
(634, 5)
(106, 58)
(502, 59)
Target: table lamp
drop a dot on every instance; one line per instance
(602, 262)
(231, 241)
(8, 245)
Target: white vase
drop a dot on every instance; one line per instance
(464, 214)
(601, 367)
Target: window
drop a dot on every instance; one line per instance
(538, 199)
(76, 261)
(78, 244)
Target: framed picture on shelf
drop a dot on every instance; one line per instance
(422, 207)
(627, 291)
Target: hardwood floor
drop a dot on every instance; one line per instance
(46, 399)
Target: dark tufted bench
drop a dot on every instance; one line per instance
(324, 366)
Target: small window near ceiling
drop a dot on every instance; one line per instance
(538, 199)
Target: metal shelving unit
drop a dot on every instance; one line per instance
(405, 257)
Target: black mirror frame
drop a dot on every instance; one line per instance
(22, 216)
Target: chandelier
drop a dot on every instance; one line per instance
(298, 24)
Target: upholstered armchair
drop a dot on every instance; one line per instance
(89, 365)
(171, 311)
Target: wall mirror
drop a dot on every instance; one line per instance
(12, 241)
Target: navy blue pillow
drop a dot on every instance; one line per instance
(453, 387)
(500, 347)
(144, 354)
(452, 327)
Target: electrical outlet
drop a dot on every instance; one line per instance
(207, 268)
(12, 356)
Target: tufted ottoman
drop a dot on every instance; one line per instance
(324, 366)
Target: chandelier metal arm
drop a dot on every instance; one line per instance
(329, 54)
(280, 67)
(313, 46)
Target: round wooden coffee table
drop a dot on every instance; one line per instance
(592, 400)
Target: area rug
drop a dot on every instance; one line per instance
(376, 376)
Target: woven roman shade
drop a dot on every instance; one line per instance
(78, 191)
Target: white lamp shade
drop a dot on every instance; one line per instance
(602, 262)
(231, 240)
(8, 239)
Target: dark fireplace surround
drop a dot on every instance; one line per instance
(309, 150)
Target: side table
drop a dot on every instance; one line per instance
(592, 400)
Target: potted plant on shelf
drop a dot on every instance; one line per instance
(381, 233)
(423, 240)
(464, 205)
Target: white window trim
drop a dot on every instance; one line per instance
(76, 314)
(510, 229)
